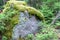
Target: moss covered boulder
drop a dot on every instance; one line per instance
(10, 14)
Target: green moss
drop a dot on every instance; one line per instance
(31, 10)
(10, 18)
(22, 6)
(9, 3)
(10, 26)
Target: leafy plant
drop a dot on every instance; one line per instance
(4, 38)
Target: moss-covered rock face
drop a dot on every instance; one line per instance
(10, 14)
(22, 6)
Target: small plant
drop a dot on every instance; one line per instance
(4, 38)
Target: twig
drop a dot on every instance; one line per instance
(54, 20)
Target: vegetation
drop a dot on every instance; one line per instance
(46, 10)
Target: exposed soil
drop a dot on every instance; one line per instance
(0, 36)
(58, 33)
(0, 11)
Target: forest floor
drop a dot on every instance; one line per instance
(58, 33)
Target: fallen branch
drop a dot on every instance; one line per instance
(54, 20)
